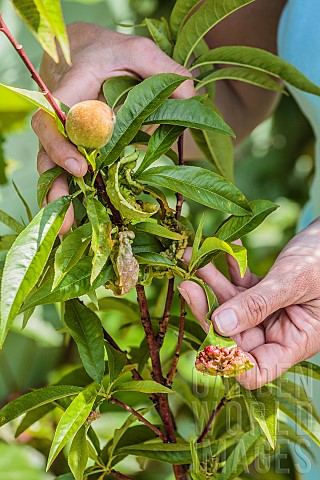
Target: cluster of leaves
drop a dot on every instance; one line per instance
(127, 234)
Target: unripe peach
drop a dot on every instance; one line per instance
(90, 124)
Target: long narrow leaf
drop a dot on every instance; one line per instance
(27, 258)
(208, 15)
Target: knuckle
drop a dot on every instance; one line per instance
(256, 307)
(180, 70)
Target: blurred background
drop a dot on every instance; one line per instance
(275, 163)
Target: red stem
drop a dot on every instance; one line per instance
(34, 74)
(139, 417)
(176, 357)
(211, 419)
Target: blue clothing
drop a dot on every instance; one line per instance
(299, 44)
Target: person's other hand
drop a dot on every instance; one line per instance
(97, 54)
(275, 320)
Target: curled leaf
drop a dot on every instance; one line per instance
(122, 190)
(125, 264)
(223, 362)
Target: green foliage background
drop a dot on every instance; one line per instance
(275, 163)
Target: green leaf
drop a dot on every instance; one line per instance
(79, 454)
(44, 19)
(3, 163)
(191, 113)
(101, 235)
(263, 408)
(306, 368)
(260, 60)
(25, 204)
(212, 300)
(197, 241)
(85, 328)
(156, 259)
(158, 230)
(142, 100)
(159, 31)
(27, 258)
(35, 399)
(218, 150)
(203, 20)
(234, 228)
(34, 97)
(174, 453)
(6, 242)
(33, 416)
(72, 419)
(142, 386)
(302, 417)
(70, 251)
(212, 245)
(180, 13)
(116, 362)
(45, 182)
(242, 74)
(200, 185)
(116, 88)
(11, 222)
(247, 448)
(75, 283)
(159, 143)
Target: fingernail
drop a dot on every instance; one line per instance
(226, 321)
(185, 295)
(73, 166)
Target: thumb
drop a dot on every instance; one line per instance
(251, 307)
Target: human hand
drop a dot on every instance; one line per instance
(97, 54)
(275, 320)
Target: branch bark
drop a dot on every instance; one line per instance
(166, 314)
(213, 415)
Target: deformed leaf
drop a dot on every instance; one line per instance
(27, 258)
(35, 399)
(72, 419)
(200, 185)
(159, 230)
(126, 265)
(85, 328)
